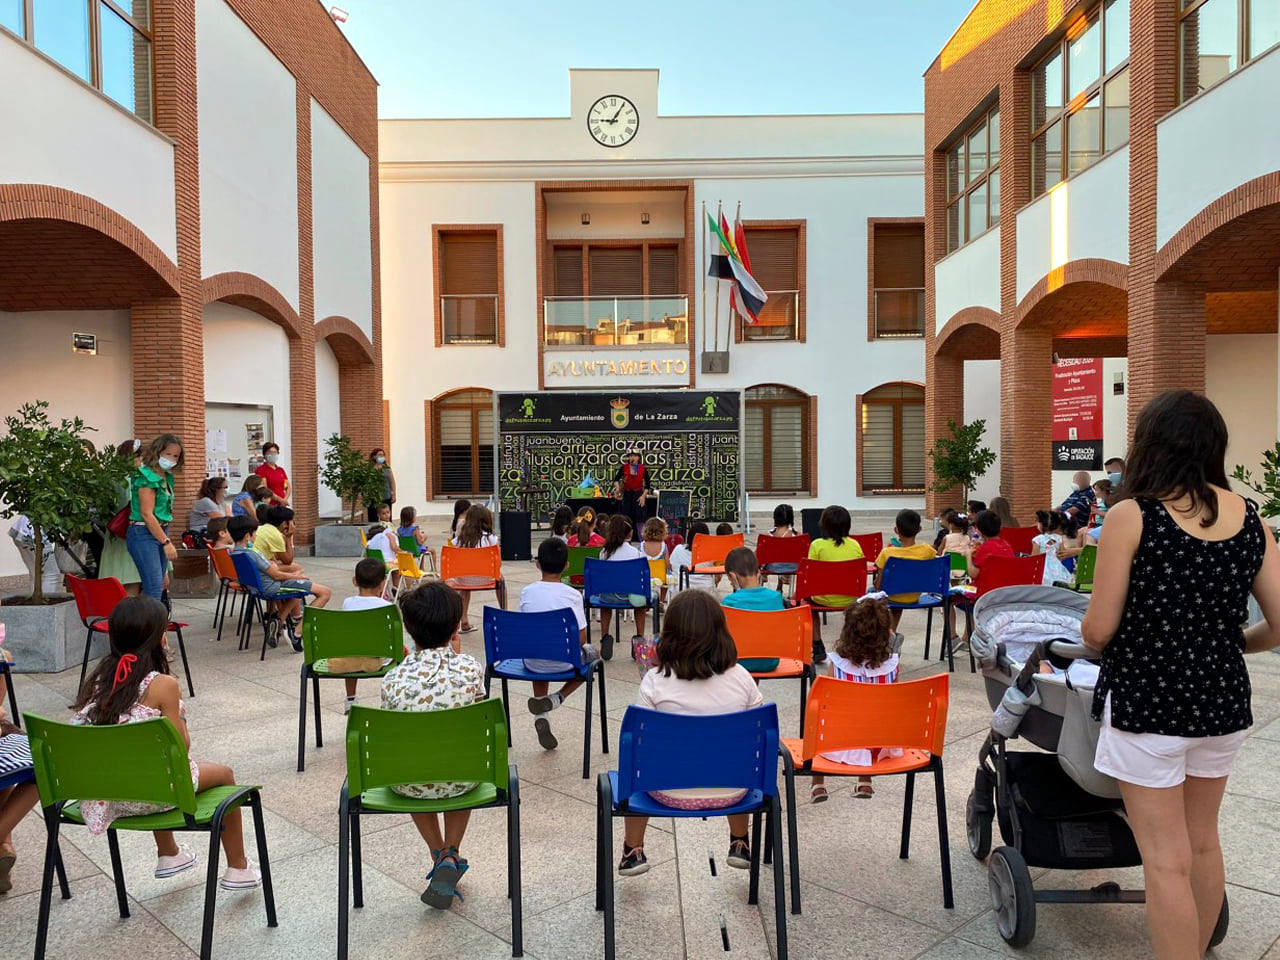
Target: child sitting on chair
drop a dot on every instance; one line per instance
(698, 673)
(370, 581)
(653, 544)
(682, 558)
(216, 535)
(409, 528)
(618, 547)
(288, 610)
(863, 654)
(435, 677)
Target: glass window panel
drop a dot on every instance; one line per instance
(1115, 99)
(1209, 37)
(1048, 90)
(1084, 60)
(953, 169)
(1264, 25)
(61, 29)
(955, 225)
(977, 210)
(1046, 159)
(993, 201)
(126, 64)
(1083, 137)
(977, 154)
(1117, 15)
(139, 10)
(995, 137)
(11, 16)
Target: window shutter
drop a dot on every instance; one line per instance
(616, 272)
(913, 445)
(898, 252)
(469, 263)
(786, 447)
(464, 438)
(454, 437)
(753, 451)
(664, 272)
(775, 258)
(568, 261)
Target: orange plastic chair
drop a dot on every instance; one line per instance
(474, 568)
(845, 715)
(871, 544)
(1020, 538)
(225, 570)
(709, 552)
(784, 634)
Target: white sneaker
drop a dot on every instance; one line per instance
(346, 706)
(246, 879)
(170, 866)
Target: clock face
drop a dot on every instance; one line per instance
(613, 121)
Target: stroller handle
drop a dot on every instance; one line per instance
(1069, 650)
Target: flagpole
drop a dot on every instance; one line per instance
(706, 253)
(719, 217)
(737, 218)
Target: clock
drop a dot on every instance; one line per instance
(612, 121)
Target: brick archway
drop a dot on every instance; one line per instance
(252, 293)
(1232, 244)
(971, 334)
(1097, 291)
(348, 342)
(359, 403)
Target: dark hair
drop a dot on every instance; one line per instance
(270, 445)
(695, 642)
(150, 453)
(210, 486)
(835, 523)
(477, 522)
(553, 555)
(695, 528)
(866, 634)
(584, 526)
(241, 527)
(988, 523)
(1000, 506)
(407, 516)
(129, 448)
(742, 562)
(1104, 486)
(1179, 449)
(1050, 520)
(1108, 463)
(135, 627)
(617, 531)
(957, 519)
(374, 453)
(724, 529)
(907, 523)
(263, 513)
(459, 508)
(783, 516)
(976, 506)
(252, 483)
(215, 526)
(262, 494)
(374, 530)
(431, 614)
(562, 521)
(278, 515)
(370, 573)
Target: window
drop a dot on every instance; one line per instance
(463, 449)
(891, 438)
(1080, 96)
(896, 279)
(1217, 36)
(775, 456)
(469, 285)
(616, 294)
(775, 255)
(106, 43)
(973, 181)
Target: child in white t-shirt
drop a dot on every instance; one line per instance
(370, 582)
(682, 559)
(618, 546)
(475, 530)
(550, 593)
(380, 539)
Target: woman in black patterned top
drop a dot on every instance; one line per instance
(1178, 560)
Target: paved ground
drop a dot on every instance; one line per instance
(858, 897)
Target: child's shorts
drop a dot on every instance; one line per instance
(302, 586)
(1156, 760)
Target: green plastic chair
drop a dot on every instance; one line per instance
(1085, 563)
(578, 564)
(327, 634)
(410, 544)
(373, 553)
(391, 747)
(148, 764)
(959, 563)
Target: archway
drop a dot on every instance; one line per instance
(460, 443)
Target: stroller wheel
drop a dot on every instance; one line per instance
(1012, 896)
(977, 827)
(1224, 920)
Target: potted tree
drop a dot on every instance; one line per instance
(358, 482)
(51, 474)
(959, 460)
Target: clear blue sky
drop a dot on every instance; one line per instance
(478, 58)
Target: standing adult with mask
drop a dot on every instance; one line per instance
(151, 509)
(378, 457)
(274, 474)
(632, 484)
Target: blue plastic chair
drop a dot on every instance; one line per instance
(612, 585)
(511, 638)
(932, 580)
(7, 669)
(671, 751)
(249, 578)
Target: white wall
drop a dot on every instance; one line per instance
(968, 277)
(328, 417)
(1240, 377)
(340, 224)
(246, 360)
(1079, 218)
(982, 402)
(39, 365)
(1226, 137)
(616, 215)
(248, 153)
(61, 133)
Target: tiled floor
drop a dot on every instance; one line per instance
(858, 897)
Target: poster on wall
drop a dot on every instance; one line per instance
(555, 442)
(1077, 414)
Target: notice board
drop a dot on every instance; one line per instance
(1077, 414)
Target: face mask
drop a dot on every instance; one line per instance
(273, 458)
(166, 464)
(379, 459)
(1114, 478)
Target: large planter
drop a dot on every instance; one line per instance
(338, 540)
(192, 576)
(48, 638)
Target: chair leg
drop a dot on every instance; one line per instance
(13, 697)
(210, 889)
(793, 842)
(602, 852)
(804, 700)
(753, 885)
(779, 885)
(84, 664)
(302, 720)
(906, 816)
(264, 863)
(315, 693)
(513, 863)
(51, 817)
(944, 849)
(220, 610)
(217, 603)
(186, 667)
(947, 637)
(60, 869)
(344, 869)
(586, 733)
(766, 848)
(606, 830)
(604, 721)
(117, 873)
(506, 708)
(357, 864)
(928, 631)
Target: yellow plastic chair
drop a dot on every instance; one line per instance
(409, 572)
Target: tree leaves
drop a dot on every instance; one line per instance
(958, 460)
(350, 474)
(1269, 487)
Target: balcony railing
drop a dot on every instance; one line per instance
(470, 318)
(616, 321)
(899, 312)
(778, 318)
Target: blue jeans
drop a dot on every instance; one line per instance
(148, 556)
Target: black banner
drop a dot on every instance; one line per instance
(693, 411)
(1077, 455)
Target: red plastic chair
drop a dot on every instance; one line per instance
(871, 544)
(783, 554)
(1009, 572)
(1020, 539)
(829, 578)
(95, 599)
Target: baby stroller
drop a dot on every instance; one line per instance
(1054, 809)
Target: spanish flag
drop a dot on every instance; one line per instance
(747, 297)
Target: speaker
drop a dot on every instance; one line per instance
(513, 534)
(809, 522)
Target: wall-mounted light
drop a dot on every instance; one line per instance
(586, 218)
(644, 216)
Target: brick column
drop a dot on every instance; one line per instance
(1026, 418)
(944, 400)
(302, 349)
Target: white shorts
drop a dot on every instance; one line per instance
(1156, 760)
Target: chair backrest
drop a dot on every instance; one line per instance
(916, 576)
(673, 540)
(842, 715)
(470, 562)
(827, 578)
(373, 553)
(781, 549)
(676, 751)
(143, 762)
(223, 568)
(95, 598)
(247, 573)
(409, 543)
(959, 563)
(546, 635)
(871, 544)
(376, 632)
(406, 564)
(1020, 538)
(364, 539)
(709, 548)
(1085, 563)
(577, 559)
(616, 576)
(387, 748)
(1009, 572)
(658, 569)
(772, 633)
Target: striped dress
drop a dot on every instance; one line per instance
(843, 669)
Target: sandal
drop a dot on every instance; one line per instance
(467, 628)
(863, 791)
(818, 794)
(443, 880)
